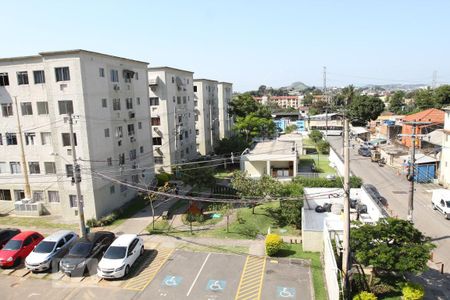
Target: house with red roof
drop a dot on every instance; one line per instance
(434, 116)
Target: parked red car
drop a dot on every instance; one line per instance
(17, 248)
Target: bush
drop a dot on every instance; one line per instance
(249, 230)
(365, 296)
(273, 244)
(323, 147)
(92, 223)
(162, 178)
(315, 135)
(413, 291)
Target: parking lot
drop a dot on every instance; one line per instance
(165, 273)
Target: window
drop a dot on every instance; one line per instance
(53, 196)
(101, 72)
(195, 88)
(138, 100)
(29, 138)
(197, 132)
(109, 161)
(5, 195)
(132, 154)
(116, 104)
(137, 75)
(173, 79)
(114, 75)
(154, 101)
(7, 109)
(69, 170)
(119, 132)
(104, 102)
(106, 132)
(65, 107)
(178, 100)
(62, 74)
(157, 141)
(121, 159)
(39, 76)
(26, 108)
(130, 129)
(158, 160)
(66, 139)
(1, 139)
(46, 138)
(22, 77)
(73, 201)
(11, 139)
(173, 99)
(112, 189)
(180, 119)
(184, 99)
(2, 167)
(139, 127)
(19, 194)
(15, 167)
(196, 117)
(38, 196)
(42, 108)
(50, 167)
(129, 103)
(186, 134)
(34, 168)
(156, 121)
(4, 79)
(141, 149)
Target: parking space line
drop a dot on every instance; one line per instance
(143, 279)
(198, 274)
(250, 285)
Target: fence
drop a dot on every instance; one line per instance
(330, 267)
(337, 161)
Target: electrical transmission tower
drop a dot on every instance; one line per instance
(324, 93)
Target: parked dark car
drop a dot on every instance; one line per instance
(85, 252)
(364, 152)
(373, 192)
(7, 234)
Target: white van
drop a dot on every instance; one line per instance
(440, 201)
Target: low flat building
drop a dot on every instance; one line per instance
(278, 159)
(434, 116)
(331, 123)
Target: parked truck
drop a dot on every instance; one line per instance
(440, 201)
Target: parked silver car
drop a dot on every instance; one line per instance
(49, 250)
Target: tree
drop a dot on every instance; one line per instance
(364, 108)
(315, 135)
(319, 106)
(252, 126)
(232, 144)
(242, 105)
(397, 102)
(442, 96)
(423, 99)
(290, 128)
(201, 174)
(308, 100)
(323, 147)
(391, 245)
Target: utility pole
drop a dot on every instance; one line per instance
(23, 161)
(326, 122)
(77, 179)
(346, 243)
(324, 93)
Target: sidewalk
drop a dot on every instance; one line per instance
(138, 223)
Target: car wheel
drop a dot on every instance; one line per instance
(433, 206)
(142, 250)
(17, 262)
(127, 271)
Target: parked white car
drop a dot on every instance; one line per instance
(50, 249)
(120, 256)
(440, 201)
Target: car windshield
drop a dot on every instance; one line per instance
(448, 203)
(115, 252)
(13, 245)
(81, 249)
(45, 247)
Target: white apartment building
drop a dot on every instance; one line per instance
(207, 115)
(444, 177)
(108, 98)
(224, 93)
(172, 116)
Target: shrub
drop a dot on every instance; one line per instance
(323, 147)
(413, 291)
(273, 244)
(162, 178)
(249, 230)
(315, 135)
(365, 296)
(92, 223)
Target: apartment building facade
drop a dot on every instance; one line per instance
(171, 99)
(207, 121)
(224, 95)
(107, 96)
(444, 177)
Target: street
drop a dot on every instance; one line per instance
(394, 188)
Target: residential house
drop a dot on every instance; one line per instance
(434, 117)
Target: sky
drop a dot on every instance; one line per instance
(247, 42)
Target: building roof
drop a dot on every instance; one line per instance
(322, 116)
(272, 150)
(224, 82)
(359, 130)
(161, 68)
(430, 115)
(63, 52)
(420, 158)
(204, 79)
(435, 137)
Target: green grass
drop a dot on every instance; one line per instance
(208, 220)
(296, 251)
(224, 174)
(37, 222)
(161, 226)
(308, 142)
(320, 161)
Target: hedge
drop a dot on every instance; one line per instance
(365, 296)
(413, 291)
(273, 244)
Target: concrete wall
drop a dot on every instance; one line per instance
(334, 158)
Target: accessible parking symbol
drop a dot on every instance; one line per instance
(285, 292)
(170, 280)
(216, 285)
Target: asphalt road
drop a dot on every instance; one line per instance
(395, 189)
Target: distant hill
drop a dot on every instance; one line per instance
(297, 86)
(394, 87)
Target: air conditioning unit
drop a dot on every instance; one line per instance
(131, 115)
(132, 139)
(116, 87)
(134, 166)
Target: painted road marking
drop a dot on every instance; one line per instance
(216, 285)
(252, 276)
(150, 268)
(285, 292)
(198, 274)
(170, 280)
